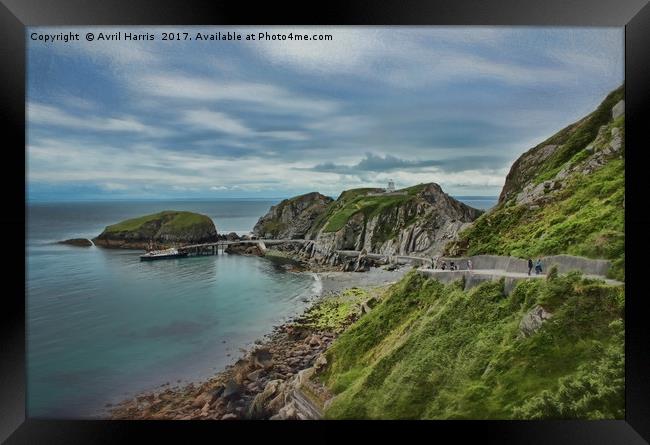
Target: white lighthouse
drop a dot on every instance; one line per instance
(391, 186)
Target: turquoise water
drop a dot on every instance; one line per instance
(102, 325)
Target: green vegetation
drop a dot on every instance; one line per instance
(586, 217)
(273, 227)
(580, 137)
(370, 206)
(434, 351)
(333, 313)
(169, 221)
(349, 195)
(356, 201)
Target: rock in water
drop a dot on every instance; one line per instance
(78, 242)
(257, 249)
(163, 229)
(232, 236)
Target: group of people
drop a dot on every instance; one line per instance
(452, 265)
(538, 266)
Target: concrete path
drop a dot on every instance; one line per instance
(475, 277)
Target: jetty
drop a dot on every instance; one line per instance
(217, 246)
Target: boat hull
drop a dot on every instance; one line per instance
(162, 257)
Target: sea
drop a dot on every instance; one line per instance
(102, 326)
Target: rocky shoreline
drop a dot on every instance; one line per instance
(272, 379)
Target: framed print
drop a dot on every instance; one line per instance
(415, 218)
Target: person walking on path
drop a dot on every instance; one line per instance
(434, 262)
(469, 264)
(444, 265)
(530, 266)
(538, 266)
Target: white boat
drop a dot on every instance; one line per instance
(162, 254)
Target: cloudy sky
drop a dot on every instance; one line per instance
(160, 119)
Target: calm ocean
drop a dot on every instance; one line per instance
(102, 326)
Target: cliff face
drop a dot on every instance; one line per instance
(418, 219)
(292, 218)
(546, 162)
(564, 196)
(163, 229)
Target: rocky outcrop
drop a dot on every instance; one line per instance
(533, 320)
(591, 133)
(77, 242)
(420, 222)
(164, 229)
(607, 145)
(417, 220)
(292, 218)
(252, 249)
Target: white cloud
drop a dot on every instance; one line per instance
(113, 186)
(143, 164)
(274, 99)
(217, 121)
(48, 115)
(287, 135)
(412, 57)
(205, 119)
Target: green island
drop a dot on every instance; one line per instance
(163, 228)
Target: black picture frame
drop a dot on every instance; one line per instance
(15, 15)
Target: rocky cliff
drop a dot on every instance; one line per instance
(419, 219)
(292, 218)
(563, 196)
(164, 229)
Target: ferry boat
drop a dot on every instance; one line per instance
(162, 254)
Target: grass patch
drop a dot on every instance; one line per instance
(434, 351)
(170, 220)
(581, 136)
(586, 218)
(273, 227)
(370, 206)
(333, 313)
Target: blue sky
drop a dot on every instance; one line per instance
(217, 119)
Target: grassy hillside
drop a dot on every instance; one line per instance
(170, 220)
(352, 202)
(580, 214)
(434, 351)
(533, 167)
